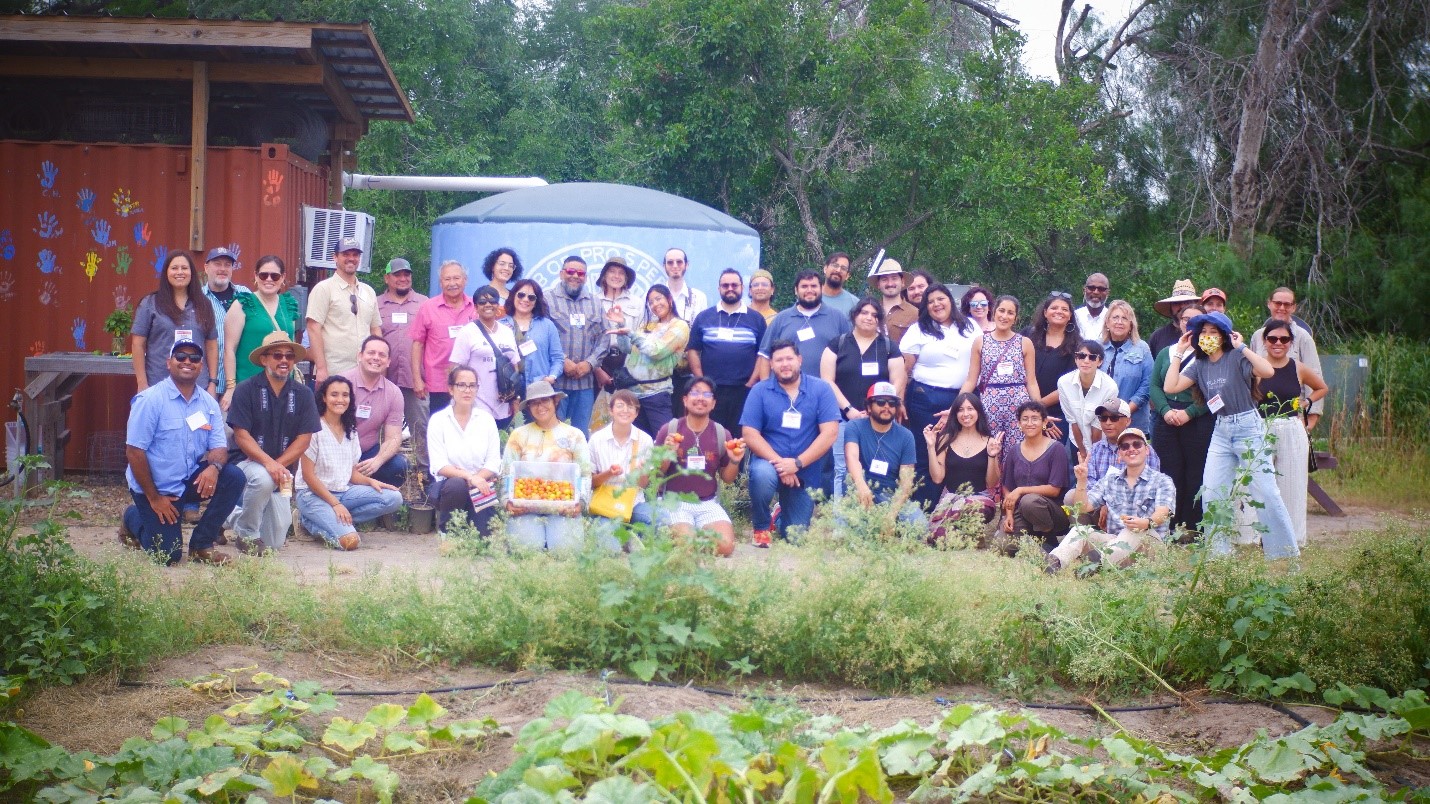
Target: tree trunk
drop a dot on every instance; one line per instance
(1261, 86)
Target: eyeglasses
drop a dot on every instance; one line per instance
(884, 401)
(1131, 446)
(1109, 417)
(700, 395)
(977, 305)
(526, 296)
(1278, 338)
(352, 300)
(283, 357)
(1095, 288)
(465, 386)
(1060, 294)
(188, 357)
(729, 285)
(1086, 356)
(1283, 304)
(675, 262)
(267, 277)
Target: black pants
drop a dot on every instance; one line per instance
(729, 405)
(1183, 451)
(452, 494)
(679, 379)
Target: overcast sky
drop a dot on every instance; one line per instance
(1038, 21)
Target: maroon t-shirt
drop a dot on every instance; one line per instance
(710, 443)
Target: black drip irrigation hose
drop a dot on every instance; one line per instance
(515, 682)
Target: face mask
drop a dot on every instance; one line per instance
(1209, 343)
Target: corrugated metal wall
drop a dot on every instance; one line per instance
(83, 228)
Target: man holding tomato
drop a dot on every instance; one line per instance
(705, 450)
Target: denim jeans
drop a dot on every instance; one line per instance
(575, 408)
(924, 403)
(1237, 439)
(797, 507)
(393, 473)
(167, 540)
(364, 503)
(603, 529)
(550, 532)
(840, 470)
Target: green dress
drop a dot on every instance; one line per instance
(257, 325)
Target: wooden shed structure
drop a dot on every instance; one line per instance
(122, 139)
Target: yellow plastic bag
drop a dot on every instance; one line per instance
(612, 504)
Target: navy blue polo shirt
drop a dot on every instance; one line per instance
(818, 330)
(728, 343)
(767, 403)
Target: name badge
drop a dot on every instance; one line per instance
(1005, 369)
(183, 335)
(527, 348)
(364, 411)
(695, 461)
(399, 318)
(578, 319)
(869, 369)
(198, 421)
(453, 330)
(877, 467)
(724, 334)
(1216, 403)
(791, 419)
(805, 334)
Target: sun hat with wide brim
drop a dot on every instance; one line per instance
(541, 389)
(625, 267)
(1183, 292)
(273, 339)
(888, 267)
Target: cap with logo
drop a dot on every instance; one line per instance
(882, 390)
(1114, 405)
(1133, 432)
(220, 253)
(179, 344)
(398, 264)
(347, 244)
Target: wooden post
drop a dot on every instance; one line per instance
(335, 172)
(198, 155)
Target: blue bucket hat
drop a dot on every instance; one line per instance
(1217, 319)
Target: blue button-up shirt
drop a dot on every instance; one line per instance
(1152, 490)
(159, 424)
(767, 403)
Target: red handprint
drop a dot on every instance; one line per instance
(37, 348)
(272, 186)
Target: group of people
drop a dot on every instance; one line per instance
(849, 394)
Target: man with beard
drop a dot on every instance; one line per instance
(273, 417)
(789, 423)
(221, 291)
(688, 304)
(1184, 294)
(342, 311)
(1090, 316)
(879, 453)
(810, 324)
(398, 307)
(702, 454)
(836, 272)
(890, 279)
(724, 346)
(577, 315)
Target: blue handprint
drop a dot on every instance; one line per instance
(100, 232)
(78, 333)
(85, 200)
(47, 261)
(141, 234)
(49, 226)
(236, 249)
(160, 254)
(48, 173)
(7, 244)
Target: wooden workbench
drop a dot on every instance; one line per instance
(50, 381)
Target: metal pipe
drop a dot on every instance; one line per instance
(474, 184)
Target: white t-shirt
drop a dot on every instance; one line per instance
(476, 447)
(942, 363)
(606, 452)
(471, 348)
(1088, 327)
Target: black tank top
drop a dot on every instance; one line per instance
(1280, 392)
(959, 470)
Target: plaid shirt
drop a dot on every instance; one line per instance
(1152, 490)
(580, 342)
(1102, 459)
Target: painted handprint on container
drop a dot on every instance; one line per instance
(7, 245)
(49, 227)
(124, 203)
(47, 175)
(84, 199)
(121, 297)
(46, 263)
(100, 232)
(272, 187)
(91, 264)
(161, 253)
(78, 333)
(7, 286)
(49, 294)
(122, 261)
(141, 234)
(37, 348)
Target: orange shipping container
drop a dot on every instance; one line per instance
(84, 227)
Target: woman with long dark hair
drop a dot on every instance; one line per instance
(937, 355)
(1001, 371)
(176, 311)
(332, 495)
(501, 268)
(656, 348)
(538, 341)
(1281, 404)
(963, 462)
(977, 306)
(254, 315)
(1055, 339)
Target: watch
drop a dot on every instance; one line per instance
(798, 464)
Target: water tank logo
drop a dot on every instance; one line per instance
(649, 271)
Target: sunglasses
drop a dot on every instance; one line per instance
(267, 277)
(1095, 288)
(1109, 417)
(1059, 294)
(1278, 338)
(188, 357)
(575, 272)
(352, 300)
(1131, 446)
(526, 296)
(977, 305)
(489, 300)
(283, 357)
(886, 402)
(1086, 356)
(675, 262)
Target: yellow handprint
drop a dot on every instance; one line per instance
(91, 264)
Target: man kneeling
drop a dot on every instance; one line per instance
(1139, 499)
(705, 450)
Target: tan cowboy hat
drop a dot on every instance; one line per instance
(273, 339)
(1183, 291)
(541, 389)
(885, 268)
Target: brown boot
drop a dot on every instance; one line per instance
(209, 555)
(128, 539)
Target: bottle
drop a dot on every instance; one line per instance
(286, 490)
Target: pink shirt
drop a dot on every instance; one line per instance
(435, 327)
(376, 407)
(397, 318)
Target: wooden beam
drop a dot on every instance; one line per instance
(159, 70)
(208, 33)
(335, 172)
(338, 94)
(198, 155)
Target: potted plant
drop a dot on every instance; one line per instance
(119, 324)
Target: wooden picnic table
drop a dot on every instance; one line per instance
(50, 381)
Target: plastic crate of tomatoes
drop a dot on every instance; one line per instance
(541, 487)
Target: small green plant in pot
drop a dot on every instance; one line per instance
(120, 323)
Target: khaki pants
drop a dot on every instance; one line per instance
(1117, 549)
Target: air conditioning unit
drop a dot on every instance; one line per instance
(323, 228)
